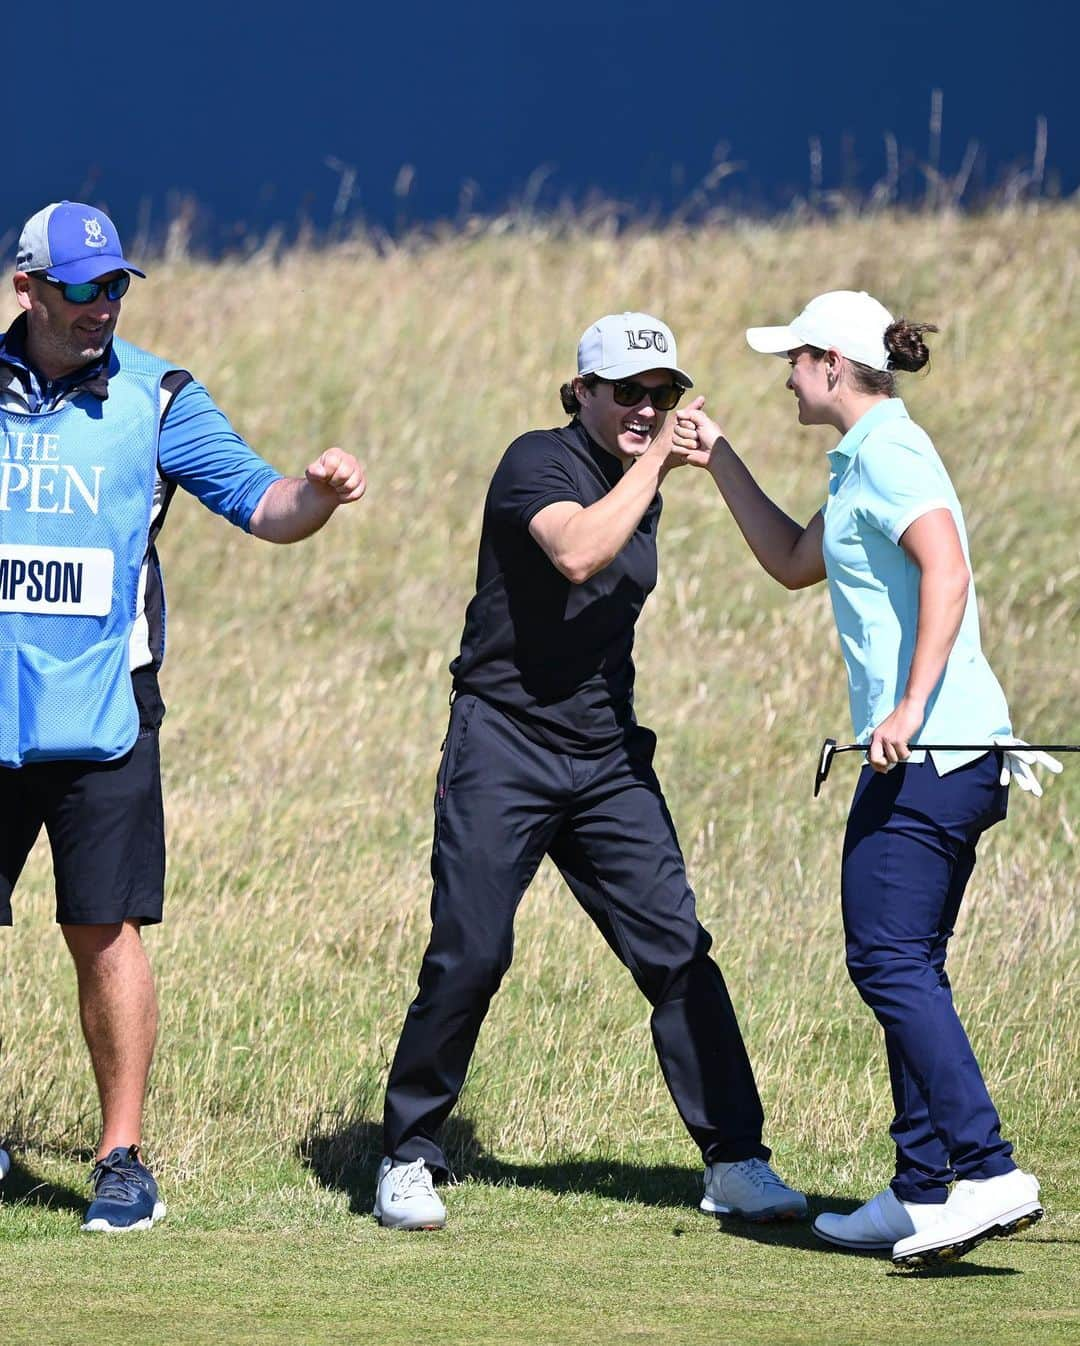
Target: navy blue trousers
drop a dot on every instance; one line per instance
(908, 854)
(503, 802)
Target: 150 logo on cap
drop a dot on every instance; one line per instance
(646, 339)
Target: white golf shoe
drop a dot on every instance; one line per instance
(977, 1210)
(405, 1197)
(750, 1188)
(877, 1224)
(5, 1164)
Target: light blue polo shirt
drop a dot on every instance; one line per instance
(884, 474)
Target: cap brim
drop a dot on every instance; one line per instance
(773, 340)
(628, 368)
(90, 268)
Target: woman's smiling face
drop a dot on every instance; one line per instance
(809, 381)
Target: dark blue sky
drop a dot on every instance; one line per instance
(241, 106)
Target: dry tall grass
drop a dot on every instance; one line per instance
(308, 689)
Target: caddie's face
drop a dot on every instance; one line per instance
(66, 336)
(624, 431)
(809, 382)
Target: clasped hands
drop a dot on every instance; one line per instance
(693, 435)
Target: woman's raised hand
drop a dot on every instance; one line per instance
(695, 434)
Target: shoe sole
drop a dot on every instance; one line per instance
(949, 1252)
(104, 1227)
(409, 1226)
(755, 1217)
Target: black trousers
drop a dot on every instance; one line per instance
(502, 802)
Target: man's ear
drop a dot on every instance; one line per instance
(834, 366)
(21, 284)
(580, 389)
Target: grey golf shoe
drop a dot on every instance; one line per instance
(405, 1197)
(750, 1188)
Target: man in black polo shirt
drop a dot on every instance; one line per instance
(544, 756)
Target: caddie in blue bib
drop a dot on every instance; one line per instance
(76, 495)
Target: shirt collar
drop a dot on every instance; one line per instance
(611, 466)
(890, 410)
(92, 378)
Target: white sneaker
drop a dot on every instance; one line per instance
(977, 1209)
(878, 1223)
(5, 1164)
(405, 1197)
(750, 1188)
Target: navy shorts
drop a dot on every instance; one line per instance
(106, 829)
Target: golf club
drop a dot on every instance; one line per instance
(830, 748)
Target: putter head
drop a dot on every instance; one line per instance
(824, 762)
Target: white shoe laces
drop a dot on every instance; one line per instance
(408, 1179)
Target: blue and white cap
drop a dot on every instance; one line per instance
(620, 345)
(71, 242)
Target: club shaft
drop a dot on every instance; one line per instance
(971, 747)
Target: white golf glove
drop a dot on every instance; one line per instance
(1016, 764)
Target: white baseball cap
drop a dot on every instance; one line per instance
(849, 321)
(620, 345)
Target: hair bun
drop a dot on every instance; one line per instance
(904, 342)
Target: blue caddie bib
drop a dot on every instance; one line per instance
(76, 496)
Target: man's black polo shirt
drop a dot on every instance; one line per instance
(555, 656)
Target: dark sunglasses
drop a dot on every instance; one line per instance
(628, 393)
(86, 291)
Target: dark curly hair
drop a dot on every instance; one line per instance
(908, 352)
(904, 342)
(569, 398)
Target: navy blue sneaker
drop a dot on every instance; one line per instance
(125, 1194)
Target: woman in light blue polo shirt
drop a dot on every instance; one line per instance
(892, 544)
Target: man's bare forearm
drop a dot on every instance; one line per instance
(591, 538)
(292, 509)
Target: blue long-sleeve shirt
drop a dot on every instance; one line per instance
(198, 450)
